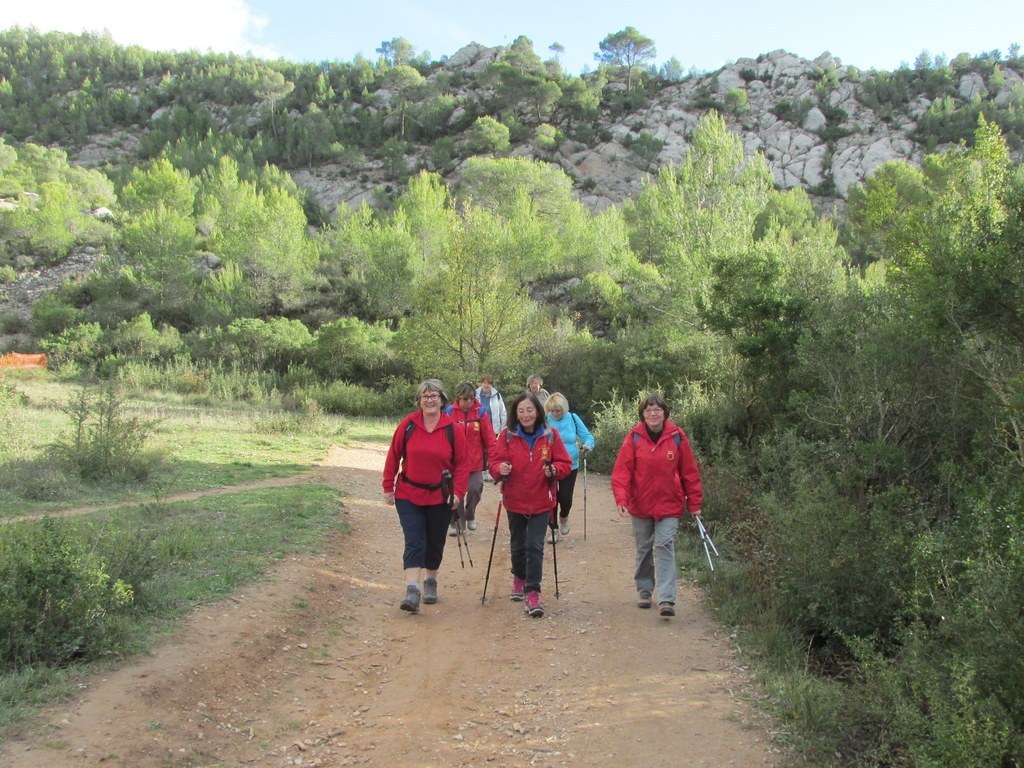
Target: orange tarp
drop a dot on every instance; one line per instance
(18, 360)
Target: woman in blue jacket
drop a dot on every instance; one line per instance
(577, 439)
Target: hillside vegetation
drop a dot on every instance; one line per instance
(854, 388)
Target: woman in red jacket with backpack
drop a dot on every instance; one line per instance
(475, 422)
(529, 459)
(425, 476)
(654, 479)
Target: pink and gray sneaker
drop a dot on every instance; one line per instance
(518, 589)
(533, 606)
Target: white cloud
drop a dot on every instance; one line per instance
(217, 25)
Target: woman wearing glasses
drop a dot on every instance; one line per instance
(425, 477)
(654, 479)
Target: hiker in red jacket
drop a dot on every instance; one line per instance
(425, 478)
(475, 421)
(655, 477)
(529, 459)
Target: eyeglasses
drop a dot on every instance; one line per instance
(654, 409)
(430, 396)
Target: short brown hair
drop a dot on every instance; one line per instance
(654, 398)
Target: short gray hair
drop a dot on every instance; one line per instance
(431, 385)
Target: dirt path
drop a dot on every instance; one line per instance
(318, 667)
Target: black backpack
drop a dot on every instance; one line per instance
(449, 430)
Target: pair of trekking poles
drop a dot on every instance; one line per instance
(460, 533)
(552, 524)
(460, 537)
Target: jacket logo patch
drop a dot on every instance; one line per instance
(544, 452)
(476, 426)
(671, 456)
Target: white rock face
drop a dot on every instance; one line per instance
(970, 84)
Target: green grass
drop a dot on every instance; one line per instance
(207, 548)
(202, 447)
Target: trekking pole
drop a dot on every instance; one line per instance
(446, 492)
(461, 534)
(553, 525)
(705, 538)
(494, 538)
(458, 538)
(554, 548)
(585, 495)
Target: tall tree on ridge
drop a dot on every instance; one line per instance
(627, 49)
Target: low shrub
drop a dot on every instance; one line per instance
(354, 400)
(58, 602)
(105, 442)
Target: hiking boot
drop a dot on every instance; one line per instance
(411, 603)
(453, 529)
(533, 606)
(667, 609)
(429, 591)
(471, 525)
(644, 599)
(563, 525)
(518, 589)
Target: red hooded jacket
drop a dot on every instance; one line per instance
(423, 457)
(528, 491)
(656, 480)
(479, 433)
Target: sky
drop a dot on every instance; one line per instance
(703, 36)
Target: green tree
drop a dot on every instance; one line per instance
(545, 136)
(159, 184)
(767, 296)
(349, 349)
(494, 183)
(646, 147)
(470, 316)
(53, 224)
(581, 99)
(426, 211)
(271, 86)
(737, 101)
(397, 51)
(671, 70)
(257, 344)
(487, 136)
(159, 248)
(377, 259)
(687, 218)
(404, 80)
(264, 234)
(885, 214)
(628, 50)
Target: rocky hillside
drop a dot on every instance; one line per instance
(820, 124)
